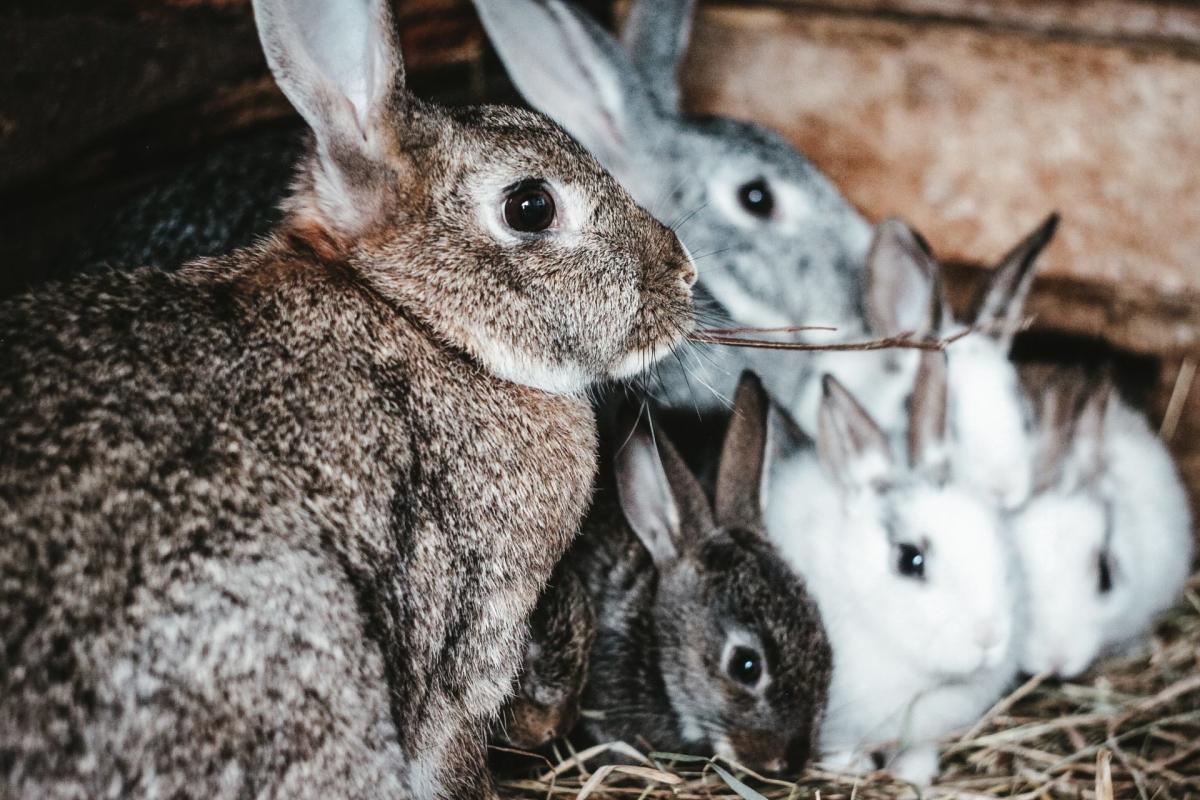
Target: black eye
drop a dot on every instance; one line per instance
(1105, 573)
(745, 666)
(529, 208)
(911, 562)
(756, 198)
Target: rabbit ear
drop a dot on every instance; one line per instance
(660, 498)
(853, 449)
(928, 414)
(904, 285)
(656, 36)
(339, 64)
(1000, 304)
(569, 68)
(1087, 457)
(740, 493)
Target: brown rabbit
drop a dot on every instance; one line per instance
(706, 641)
(272, 525)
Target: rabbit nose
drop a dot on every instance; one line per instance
(688, 271)
(989, 636)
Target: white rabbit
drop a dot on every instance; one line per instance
(991, 443)
(912, 573)
(1106, 543)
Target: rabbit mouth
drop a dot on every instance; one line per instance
(638, 361)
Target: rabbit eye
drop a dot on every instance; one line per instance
(911, 561)
(756, 198)
(1105, 573)
(745, 666)
(529, 207)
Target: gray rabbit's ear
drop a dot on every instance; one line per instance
(852, 447)
(1001, 303)
(904, 285)
(656, 36)
(339, 64)
(928, 424)
(741, 473)
(572, 70)
(660, 498)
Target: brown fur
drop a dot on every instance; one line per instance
(272, 525)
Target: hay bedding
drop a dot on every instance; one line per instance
(1129, 728)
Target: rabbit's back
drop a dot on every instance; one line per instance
(228, 533)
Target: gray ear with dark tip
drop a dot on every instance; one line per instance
(1001, 302)
(852, 447)
(572, 70)
(660, 498)
(741, 472)
(904, 283)
(928, 423)
(656, 36)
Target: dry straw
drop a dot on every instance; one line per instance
(1130, 728)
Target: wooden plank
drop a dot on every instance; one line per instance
(1161, 21)
(974, 133)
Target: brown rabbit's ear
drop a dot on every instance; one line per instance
(1001, 302)
(741, 473)
(656, 35)
(853, 449)
(339, 64)
(928, 424)
(660, 498)
(904, 285)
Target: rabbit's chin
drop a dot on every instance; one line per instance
(638, 361)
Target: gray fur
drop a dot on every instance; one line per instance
(272, 524)
(803, 267)
(665, 616)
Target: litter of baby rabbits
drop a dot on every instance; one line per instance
(1130, 727)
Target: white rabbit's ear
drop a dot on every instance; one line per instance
(656, 36)
(741, 484)
(571, 69)
(904, 286)
(338, 62)
(1087, 459)
(928, 425)
(1001, 302)
(853, 449)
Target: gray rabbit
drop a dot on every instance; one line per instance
(775, 242)
(706, 642)
(272, 524)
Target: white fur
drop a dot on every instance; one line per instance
(1059, 535)
(991, 448)
(913, 660)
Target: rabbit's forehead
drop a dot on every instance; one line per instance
(945, 516)
(500, 139)
(1062, 523)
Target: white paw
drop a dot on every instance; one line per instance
(917, 765)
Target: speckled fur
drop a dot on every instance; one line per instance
(272, 524)
(656, 673)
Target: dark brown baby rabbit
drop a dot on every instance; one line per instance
(561, 633)
(272, 525)
(707, 642)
